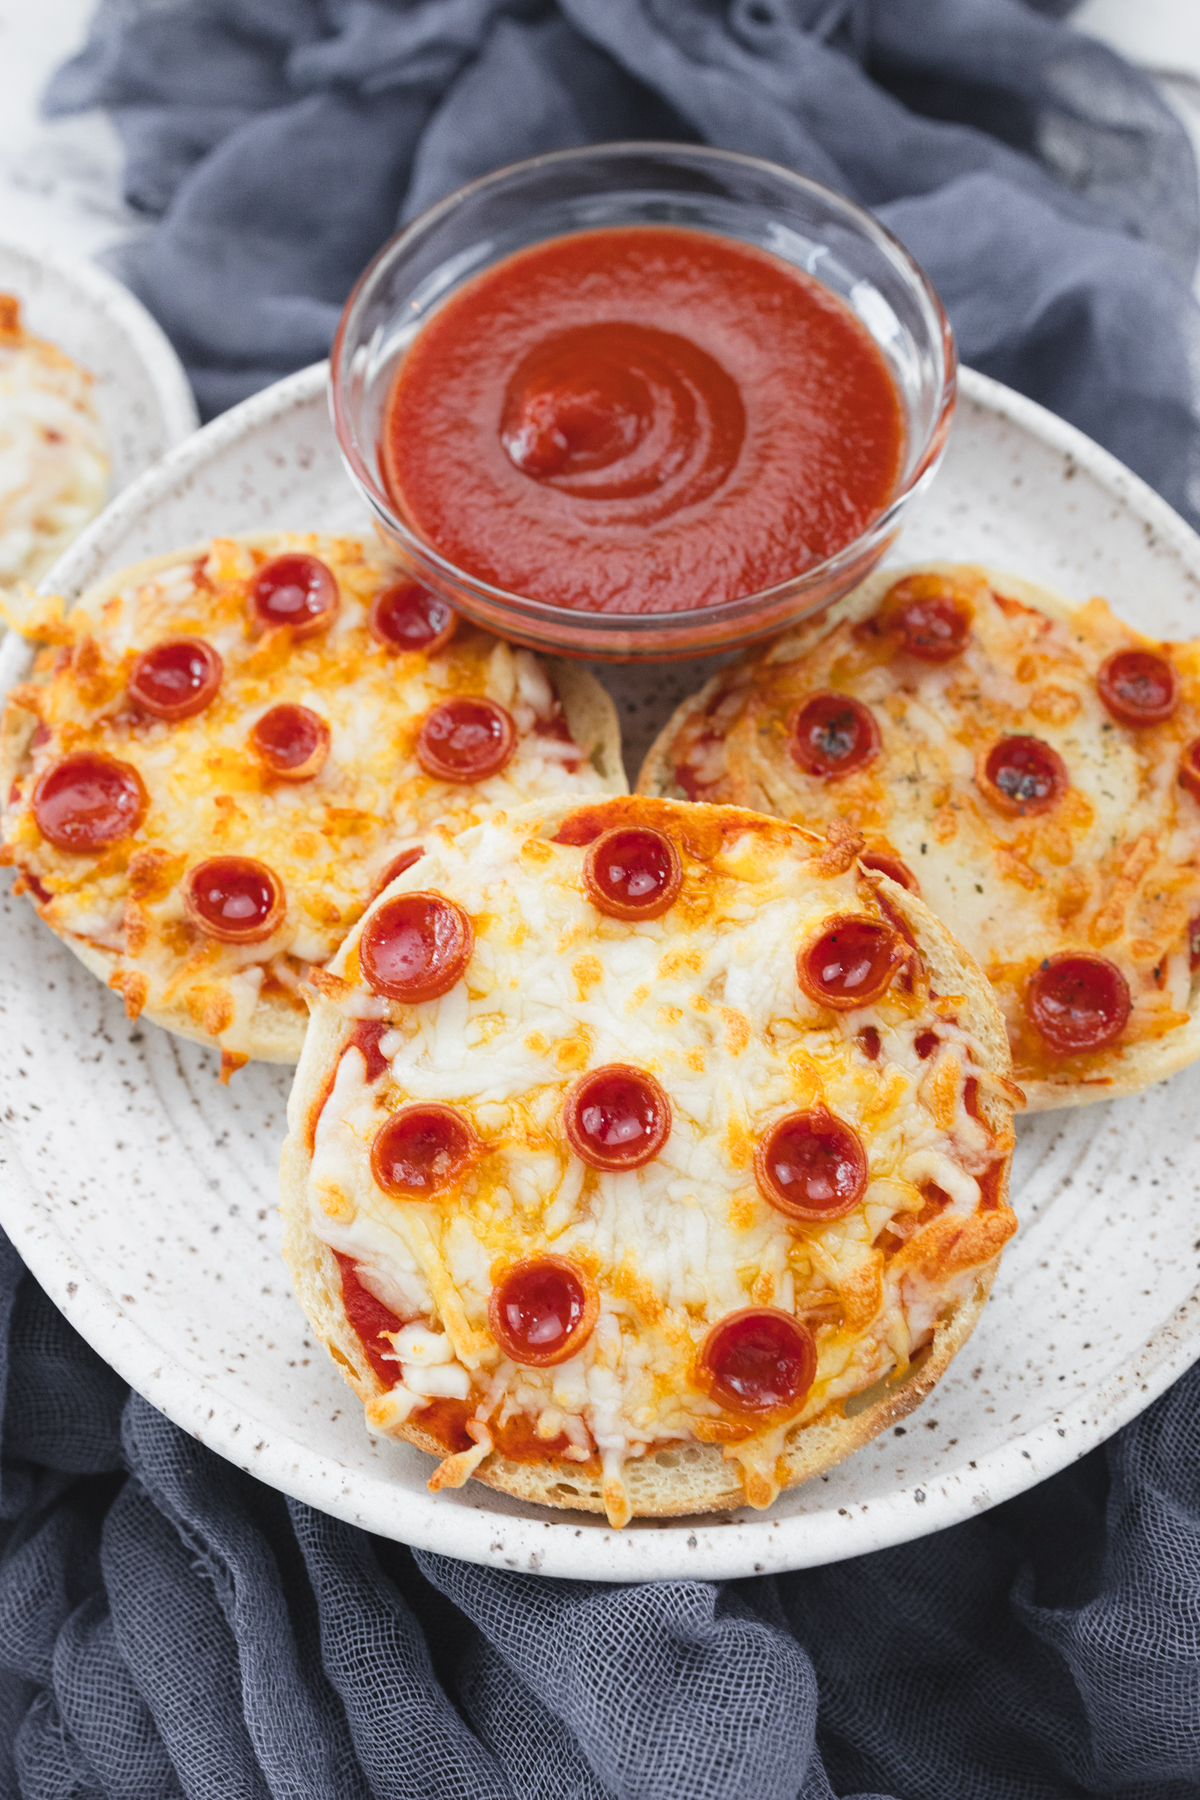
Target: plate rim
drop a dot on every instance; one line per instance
(569, 1545)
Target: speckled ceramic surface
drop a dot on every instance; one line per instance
(142, 393)
(142, 1194)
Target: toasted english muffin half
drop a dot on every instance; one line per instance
(1029, 767)
(640, 1212)
(54, 460)
(222, 750)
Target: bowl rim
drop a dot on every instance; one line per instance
(572, 621)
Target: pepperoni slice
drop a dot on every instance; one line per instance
(291, 742)
(932, 622)
(466, 739)
(1022, 776)
(759, 1362)
(632, 872)
(87, 802)
(420, 1150)
(408, 617)
(1193, 943)
(833, 734)
(1077, 1003)
(397, 867)
(617, 1117)
(295, 590)
(542, 1311)
(176, 680)
(892, 867)
(1138, 687)
(1189, 769)
(851, 963)
(811, 1166)
(234, 898)
(415, 947)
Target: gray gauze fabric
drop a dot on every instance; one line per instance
(170, 1628)
(1047, 189)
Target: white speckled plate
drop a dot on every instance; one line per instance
(142, 1194)
(142, 393)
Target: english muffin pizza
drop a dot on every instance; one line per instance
(1031, 769)
(53, 457)
(223, 753)
(646, 1158)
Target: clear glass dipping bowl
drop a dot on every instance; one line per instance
(834, 241)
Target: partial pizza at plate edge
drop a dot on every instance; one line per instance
(54, 462)
(222, 753)
(1030, 768)
(646, 1157)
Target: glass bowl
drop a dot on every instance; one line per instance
(741, 197)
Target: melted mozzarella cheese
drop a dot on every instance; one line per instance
(327, 839)
(1113, 869)
(705, 998)
(53, 457)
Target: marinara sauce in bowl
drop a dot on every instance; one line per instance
(642, 400)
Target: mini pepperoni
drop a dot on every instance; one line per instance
(397, 867)
(617, 1117)
(1022, 776)
(420, 1150)
(1138, 687)
(466, 739)
(759, 1362)
(1189, 769)
(234, 898)
(811, 1166)
(177, 679)
(1077, 1003)
(892, 867)
(415, 947)
(408, 617)
(542, 1311)
(833, 734)
(291, 742)
(932, 622)
(295, 590)
(851, 963)
(87, 802)
(632, 872)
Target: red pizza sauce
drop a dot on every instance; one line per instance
(641, 419)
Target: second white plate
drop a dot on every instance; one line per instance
(143, 1195)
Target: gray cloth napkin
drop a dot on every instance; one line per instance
(1047, 189)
